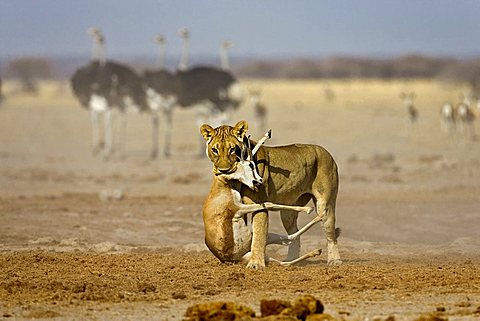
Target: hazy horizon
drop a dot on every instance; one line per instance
(269, 28)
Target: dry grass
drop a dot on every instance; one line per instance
(354, 93)
(357, 93)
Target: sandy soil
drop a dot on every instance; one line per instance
(86, 239)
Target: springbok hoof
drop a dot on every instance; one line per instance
(334, 262)
(309, 210)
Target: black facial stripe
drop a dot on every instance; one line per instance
(238, 151)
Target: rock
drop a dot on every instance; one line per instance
(43, 241)
(179, 295)
(320, 317)
(104, 247)
(219, 311)
(69, 242)
(431, 317)
(304, 306)
(111, 194)
(273, 307)
(278, 317)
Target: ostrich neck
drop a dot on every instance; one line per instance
(184, 58)
(98, 52)
(224, 59)
(161, 57)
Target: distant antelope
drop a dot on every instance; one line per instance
(259, 109)
(448, 118)
(328, 93)
(1, 92)
(407, 99)
(476, 110)
(465, 115)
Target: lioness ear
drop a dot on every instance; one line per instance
(206, 131)
(240, 129)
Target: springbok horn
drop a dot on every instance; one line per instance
(261, 141)
(249, 150)
(244, 148)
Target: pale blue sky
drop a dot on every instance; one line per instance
(257, 27)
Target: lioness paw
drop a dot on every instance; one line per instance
(256, 265)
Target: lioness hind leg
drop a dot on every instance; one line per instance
(289, 221)
(328, 222)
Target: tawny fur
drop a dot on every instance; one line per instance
(292, 175)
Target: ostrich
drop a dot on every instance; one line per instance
(213, 92)
(103, 85)
(162, 91)
(407, 99)
(224, 58)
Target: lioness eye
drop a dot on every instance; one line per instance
(215, 151)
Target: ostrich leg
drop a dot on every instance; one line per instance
(155, 123)
(168, 131)
(108, 134)
(95, 131)
(123, 134)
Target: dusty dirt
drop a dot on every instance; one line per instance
(86, 239)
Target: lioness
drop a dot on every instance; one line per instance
(228, 233)
(292, 175)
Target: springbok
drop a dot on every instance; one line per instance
(292, 175)
(259, 108)
(228, 232)
(466, 115)
(447, 118)
(407, 99)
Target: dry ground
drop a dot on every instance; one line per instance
(408, 206)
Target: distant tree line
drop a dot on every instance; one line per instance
(31, 69)
(410, 66)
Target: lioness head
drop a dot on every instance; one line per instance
(224, 145)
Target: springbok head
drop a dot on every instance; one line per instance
(246, 172)
(408, 98)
